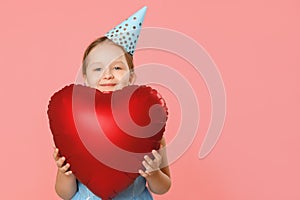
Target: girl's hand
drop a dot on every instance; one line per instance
(151, 166)
(60, 161)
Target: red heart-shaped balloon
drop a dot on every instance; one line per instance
(104, 136)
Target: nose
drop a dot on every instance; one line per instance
(107, 74)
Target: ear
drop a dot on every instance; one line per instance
(132, 78)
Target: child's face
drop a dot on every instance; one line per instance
(107, 68)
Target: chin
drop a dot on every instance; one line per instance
(106, 89)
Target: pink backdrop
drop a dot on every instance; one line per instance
(255, 46)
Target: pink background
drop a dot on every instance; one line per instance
(254, 44)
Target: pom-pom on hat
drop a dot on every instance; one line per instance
(127, 33)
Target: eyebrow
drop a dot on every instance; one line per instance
(118, 61)
(93, 63)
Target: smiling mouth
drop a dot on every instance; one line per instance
(108, 84)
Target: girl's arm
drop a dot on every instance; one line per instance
(158, 180)
(65, 185)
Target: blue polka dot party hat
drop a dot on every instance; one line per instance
(127, 33)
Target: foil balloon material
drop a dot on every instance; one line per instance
(104, 136)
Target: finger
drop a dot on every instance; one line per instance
(68, 173)
(147, 166)
(55, 154)
(65, 167)
(148, 159)
(156, 155)
(60, 162)
(143, 174)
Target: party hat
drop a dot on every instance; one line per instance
(126, 33)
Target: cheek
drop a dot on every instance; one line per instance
(125, 80)
(93, 78)
(123, 76)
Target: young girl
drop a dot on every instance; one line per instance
(107, 66)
